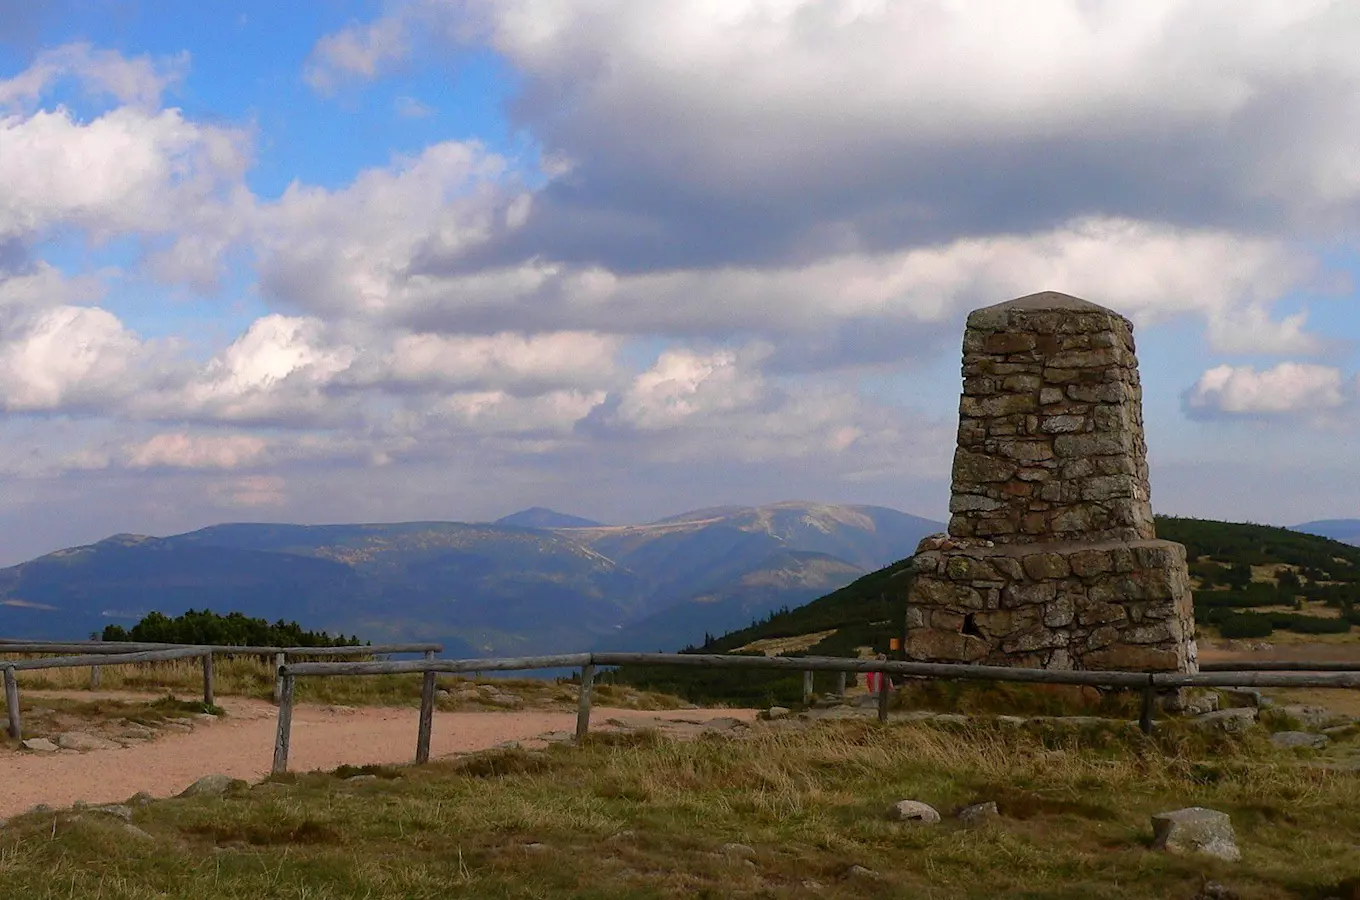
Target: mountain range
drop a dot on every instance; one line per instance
(535, 581)
(1345, 530)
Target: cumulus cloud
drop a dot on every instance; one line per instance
(687, 127)
(1288, 388)
(139, 81)
(179, 450)
(67, 357)
(357, 51)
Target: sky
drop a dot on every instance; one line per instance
(337, 261)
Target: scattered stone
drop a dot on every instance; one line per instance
(42, 808)
(181, 720)
(1244, 697)
(205, 718)
(79, 740)
(209, 786)
(338, 710)
(778, 712)
(1337, 731)
(137, 732)
(180, 727)
(1292, 740)
(725, 723)
(860, 872)
(442, 694)
(116, 810)
(978, 813)
(141, 798)
(1212, 890)
(1232, 721)
(739, 851)
(535, 847)
(1013, 721)
(1195, 830)
(915, 812)
(367, 776)
(40, 745)
(1315, 717)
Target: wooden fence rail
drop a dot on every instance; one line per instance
(279, 655)
(1148, 684)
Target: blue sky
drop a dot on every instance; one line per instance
(449, 258)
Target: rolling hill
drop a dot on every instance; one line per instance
(488, 588)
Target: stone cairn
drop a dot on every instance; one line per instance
(1051, 560)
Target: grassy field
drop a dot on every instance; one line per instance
(632, 816)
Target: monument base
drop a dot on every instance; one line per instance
(1108, 606)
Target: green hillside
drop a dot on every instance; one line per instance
(1250, 581)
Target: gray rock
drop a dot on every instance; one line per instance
(136, 732)
(1212, 890)
(1232, 721)
(740, 851)
(1291, 740)
(41, 745)
(860, 872)
(778, 712)
(1012, 721)
(79, 740)
(367, 776)
(1195, 830)
(141, 798)
(978, 813)
(1316, 717)
(915, 812)
(209, 786)
(205, 718)
(117, 810)
(442, 694)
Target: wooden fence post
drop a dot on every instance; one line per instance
(807, 686)
(840, 683)
(285, 732)
(95, 674)
(583, 706)
(16, 730)
(426, 719)
(209, 688)
(884, 686)
(279, 660)
(1149, 700)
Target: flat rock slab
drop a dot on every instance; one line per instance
(1292, 740)
(1233, 721)
(79, 740)
(41, 745)
(1196, 830)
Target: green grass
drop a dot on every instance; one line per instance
(637, 815)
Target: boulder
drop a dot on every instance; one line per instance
(1195, 830)
(1315, 717)
(978, 813)
(778, 712)
(209, 786)
(79, 740)
(1292, 740)
(1233, 721)
(914, 812)
(116, 810)
(40, 745)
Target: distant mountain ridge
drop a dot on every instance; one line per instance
(481, 588)
(1345, 530)
(542, 517)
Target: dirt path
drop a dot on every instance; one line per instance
(241, 745)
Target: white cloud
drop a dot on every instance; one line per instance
(411, 108)
(180, 450)
(503, 360)
(128, 171)
(356, 51)
(67, 356)
(1285, 389)
(250, 492)
(139, 81)
(683, 385)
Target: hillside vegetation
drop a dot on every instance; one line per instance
(1249, 580)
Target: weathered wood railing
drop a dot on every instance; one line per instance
(1148, 684)
(279, 655)
(100, 654)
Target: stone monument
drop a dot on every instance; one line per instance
(1051, 560)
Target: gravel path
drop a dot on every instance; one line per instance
(241, 745)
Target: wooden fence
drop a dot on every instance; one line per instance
(1324, 675)
(98, 654)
